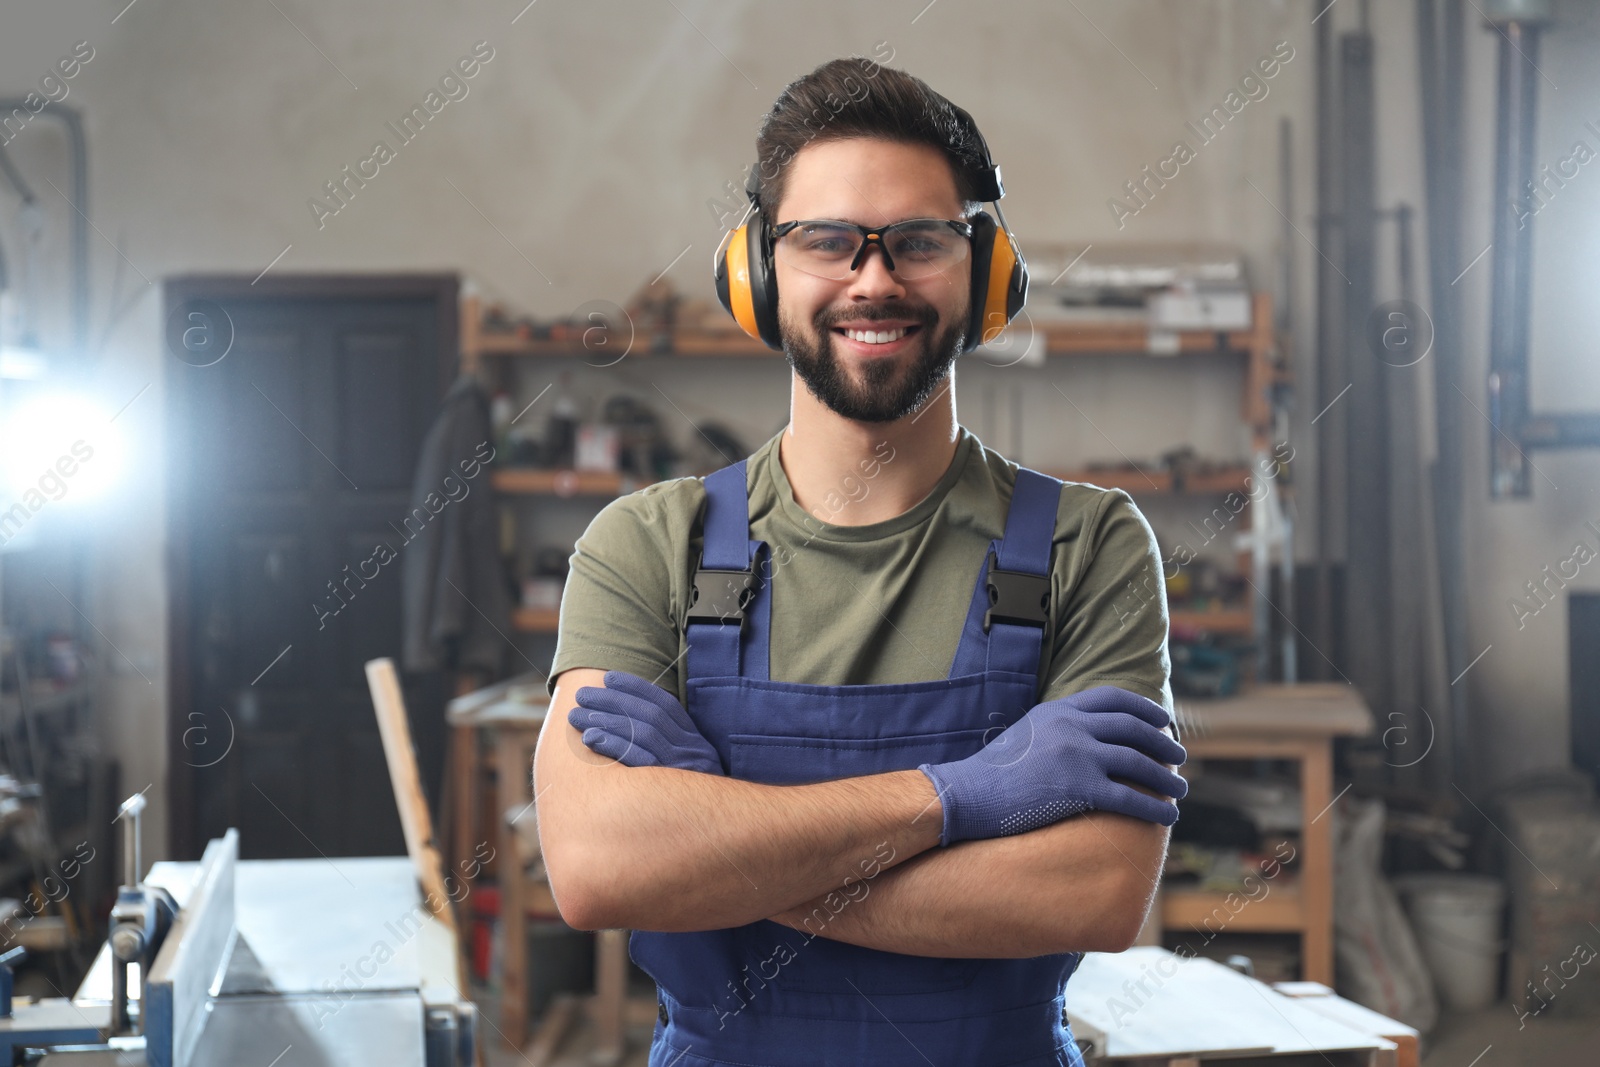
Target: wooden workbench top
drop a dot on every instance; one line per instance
(1310, 709)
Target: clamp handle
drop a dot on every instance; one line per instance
(8, 960)
(128, 815)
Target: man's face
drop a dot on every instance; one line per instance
(874, 183)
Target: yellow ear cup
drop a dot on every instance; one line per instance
(996, 311)
(740, 301)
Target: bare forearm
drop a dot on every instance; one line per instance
(661, 849)
(1083, 884)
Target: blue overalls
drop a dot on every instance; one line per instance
(766, 995)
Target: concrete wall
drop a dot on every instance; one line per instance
(582, 162)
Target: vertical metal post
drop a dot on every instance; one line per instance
(1516, 112)
(1368, 582)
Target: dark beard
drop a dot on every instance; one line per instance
(889, 389)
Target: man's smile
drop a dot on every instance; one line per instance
(876, 339)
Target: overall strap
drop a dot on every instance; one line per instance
(726, 584)
(1006, 623)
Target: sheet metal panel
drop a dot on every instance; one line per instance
(188, 970)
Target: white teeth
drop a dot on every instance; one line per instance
(876, 337)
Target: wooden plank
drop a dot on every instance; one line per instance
(462, 778)
(415, 822)
(471, 335)
(388, 703)
(1256, 406)
(513, 794)
(611, 988)
(1316, 859)
(1324, 1001)
(1151, 1002)
(553, 1028)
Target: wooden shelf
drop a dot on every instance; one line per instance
(535, 620)
(1132, 339)
(1216, 620)
(530, 480)
(689, 343)
(534, 481)
(1061, 339)
(1235, 620)
(1218, 480)
(1281, 910)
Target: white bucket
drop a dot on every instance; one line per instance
(1457, 919)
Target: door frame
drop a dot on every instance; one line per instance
(443, 289)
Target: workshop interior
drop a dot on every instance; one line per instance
(327, 330)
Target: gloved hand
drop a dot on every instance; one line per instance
(1058, 760)
(641, 725)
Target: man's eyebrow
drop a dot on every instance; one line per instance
(868, 225)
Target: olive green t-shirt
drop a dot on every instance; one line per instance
(874, 604)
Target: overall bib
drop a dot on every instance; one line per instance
(766, 995)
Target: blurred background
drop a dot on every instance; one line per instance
(1311, 280)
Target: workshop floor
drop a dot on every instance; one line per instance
(574, 1050)
(1481, 1039)
(1491, 1038)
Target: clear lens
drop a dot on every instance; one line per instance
(919, 248)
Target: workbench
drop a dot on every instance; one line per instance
(1295, 723)
(496, 729)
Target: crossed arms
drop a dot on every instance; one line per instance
(855, 860)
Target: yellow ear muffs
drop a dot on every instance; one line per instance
(747, 283)
(999, 281)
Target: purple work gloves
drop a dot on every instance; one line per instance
(641, 725)
(1059, 760)
(1056, 761)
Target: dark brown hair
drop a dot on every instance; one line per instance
(857, 97)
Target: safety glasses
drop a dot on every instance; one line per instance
(832, 249)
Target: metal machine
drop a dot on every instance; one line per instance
(293, 963)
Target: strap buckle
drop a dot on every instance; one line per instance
(1015, 596)
(720, 596)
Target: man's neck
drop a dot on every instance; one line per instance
(852, 473)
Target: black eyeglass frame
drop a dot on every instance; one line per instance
(869, 234)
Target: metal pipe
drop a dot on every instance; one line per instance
(1327, 341)
(1516, 112)
(1441, 53)
(1368, 579)
(1286, 574)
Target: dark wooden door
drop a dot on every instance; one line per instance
(290, 458)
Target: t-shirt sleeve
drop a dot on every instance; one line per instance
(618, 610)
(1111, 624)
